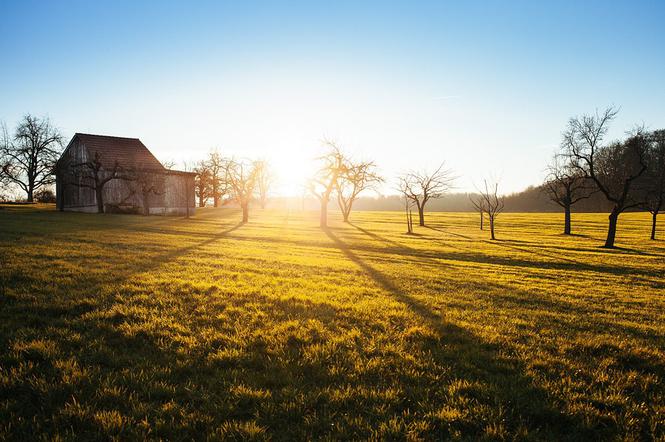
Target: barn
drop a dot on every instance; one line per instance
(100, 173)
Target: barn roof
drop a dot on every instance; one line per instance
(127, 152)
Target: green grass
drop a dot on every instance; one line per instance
(130, 327)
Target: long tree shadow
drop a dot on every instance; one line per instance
(471, 359)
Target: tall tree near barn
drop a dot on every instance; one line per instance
(28, 157)
(218, 167)
(146, 183)
(203, 182)
(92, 174)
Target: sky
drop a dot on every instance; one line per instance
(486, 87)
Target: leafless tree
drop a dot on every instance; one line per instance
(408, 204)
(491, 202)
(203, 182)
(420, 187)
(613, 168)
(219, 168)
(92, 174)
(653, 185)
(264, 180)
(168, 164)
(27, 159)
(566, 185)
(242, 179)
(145, 183)
(356, 178)
(324, 182)
(479, 204)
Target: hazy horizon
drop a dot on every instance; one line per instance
(486, 87)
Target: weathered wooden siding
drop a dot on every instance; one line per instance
(118, 193)
(74, 196)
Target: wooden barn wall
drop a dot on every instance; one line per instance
(178, 190)
(74, 195)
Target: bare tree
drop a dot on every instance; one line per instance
(264, 180)
(653, 184)
(408, 204)
(145, 183)
(242, 179)
(27, 159)
(613, 168)
(479, 204)
(219, 168)
(420, 187)
(356, 178)
(325, 181)
(566, 185)
(203, 182)
(491, 202)
(91, 174)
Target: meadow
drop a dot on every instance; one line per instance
(132, 328)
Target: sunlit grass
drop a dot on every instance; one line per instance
(204, 328)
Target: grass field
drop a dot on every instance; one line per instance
(136, 328)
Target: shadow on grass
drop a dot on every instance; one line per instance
(468, 358)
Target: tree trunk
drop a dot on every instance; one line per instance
(215, 201)
(30, 198)
(566, 226)
(482, 218)
(201, 202)
(100, 199)
(612, 228)
(324, 213)
(245, 212)
(654, 217)
(421, 216)
(146, 204)
(492, 228)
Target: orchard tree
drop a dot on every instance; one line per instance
(203, 182)
(420, 187)
(264, 181)
(28, 157)
(220, 184)
(479, 204)
(242, 181)
(653, 182)
(324, 183)
(408, 204)
(491, 202)
(356, 178)
(613, 167)
(566, 185)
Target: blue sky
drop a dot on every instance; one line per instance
(485, 86)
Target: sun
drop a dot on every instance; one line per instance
(292, 174)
